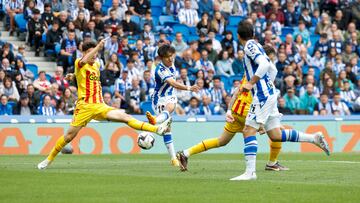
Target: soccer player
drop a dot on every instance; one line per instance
(263, 111)
(235, 122)
(90, 103)
(164, 98)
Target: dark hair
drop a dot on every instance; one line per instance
(216, 77)
(245, 30)
(71, 31)
(337, 94)
(128, 12)
(88, 45)
(269, 49)
(166, 50)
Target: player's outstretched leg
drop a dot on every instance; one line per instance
(60, 144)
(163, 116)
(119, 116)
(204, 145)
(273, 163)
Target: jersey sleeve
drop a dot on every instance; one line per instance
(252, 50)
(164, 74)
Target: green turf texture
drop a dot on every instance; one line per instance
(150, 178)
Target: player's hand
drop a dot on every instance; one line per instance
(262, 130)
(229, 117)
(101, 43)
(194, 88)
(247, 87)
(69, 77)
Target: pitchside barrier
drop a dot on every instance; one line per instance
(38, 134)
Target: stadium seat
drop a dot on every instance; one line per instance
(219, 37)
(287, 30)
(156, 11)
(235, 20)
(192, 71)
(33, 68)
(107, 3)
(193, 30)
(122, 59)
(232, 78)
(12, 104)
(159, 3)
(314, 38)
(233, 29)
(192, 38)
(225, 80)
(311, 50)
(146, 106)
(181, 28)
(166, 19)
(20, 22)
(48, 77)
(135, 19)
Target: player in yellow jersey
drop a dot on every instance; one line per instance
(235, 123)
(90, 103)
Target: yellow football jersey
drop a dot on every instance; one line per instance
(242, 104)
(88, 81)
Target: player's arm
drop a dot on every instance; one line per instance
(229, 117)
(263, 68)
(180, 86)
(87, 57)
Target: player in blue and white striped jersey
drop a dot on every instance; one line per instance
(263, 111)
(164, 97)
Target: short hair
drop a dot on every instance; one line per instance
(269, 49)
(128, 12)
(166, 50)
(88, 45)
(336, 94)
(216, 77)
(245, 30)
(71, 31)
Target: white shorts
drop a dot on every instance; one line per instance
(265, 113)
(162, 103)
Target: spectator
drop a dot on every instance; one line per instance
(193, 108)
(308, 100)
(108, 77)
(257, 7)
(347, 94)
(329, 88)
(80, 8)
(206, 6)
(309, 80)
(355, 11)
(23, 107)
(68, 47)
(60, 108)
(235, 85)
(46, 108)
(21, 53)
(113, 21)
(351, 29)
(354, 65)
(53, 37)
(27, 75)
(99, 23)
(238, 65)
(290, 15)
(173, 7)
(323, 104)
(212, 54)
(134, 96)
(339, 20)
(80, 22)
(185, 61)
(302, 58)
(13, 7)
(120, 7)
(5, 107)
(148, 34)
(139, 7)
(28, 9)
(147, 84)
(216, 45)
(20, 83)
(69, 101)
(7, 53)
(179, 44)
(349, 74)
(206, 108)
(282, 108)
(339, 106)
(240, 7)
(188, 15)
(56, 7)
(305, 34)
(324, 25)
(290, 48)
(279, 15)
(195, 54)
(204, 25)
(223, 65)
(47, 16)
(228, 41)
(129, 27)
(305, 17)
(59, 78)
(203, 91)
(9, 89)
(291, 100)
(218, 23)
(204, 63)
(218, 93)
(42, 84)
(122, 84)
(63, 21)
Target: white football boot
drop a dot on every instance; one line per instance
(162, 128)
(246, 176)
(321, 142)
(44, 164)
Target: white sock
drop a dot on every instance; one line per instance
(292, 135)
(169, 145)
(162, 116)
(271, 163)
(250, 151)
(186, 153)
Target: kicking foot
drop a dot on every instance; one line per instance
(44, 164)
(276, 167)
(175, 162)
(162, 128)
(246, 176)
(151, 118)
(183, 160)
(321, 142)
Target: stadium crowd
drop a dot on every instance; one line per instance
(317, 44)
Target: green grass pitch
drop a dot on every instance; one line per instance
(150, 178)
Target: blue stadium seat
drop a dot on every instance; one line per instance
(156, 11)
(219, 37)
(314, 38)
(146, 106)
(193, 30)
(192, 38)
(33, 68)
(225, 80)
(159, 3)
(233, 29)
(107, 3)
(235, 20)
(192, 71)
(122, 59)
(287, 30)
(166, 19)
(181, 28)
(104, 9)
(12, 104)
(48, 77)
(234, 77)
(20, 22)
(311, 50)
(135, 19)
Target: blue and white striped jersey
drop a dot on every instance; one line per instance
(163, 89)
(264, 87)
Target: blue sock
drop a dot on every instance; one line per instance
(169, 145)
(250, 151)
(291, 135)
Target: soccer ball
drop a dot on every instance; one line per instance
(145, 140)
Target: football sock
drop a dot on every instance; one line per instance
(290, 135)
(169, 145)
(162, 117)
(275, 148)
(202, 146)
(139, 125)
(250, 151)
(60, 143)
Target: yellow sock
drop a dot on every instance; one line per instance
(203, 146)
(275, 148)
(60, 143)
(139, 125)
